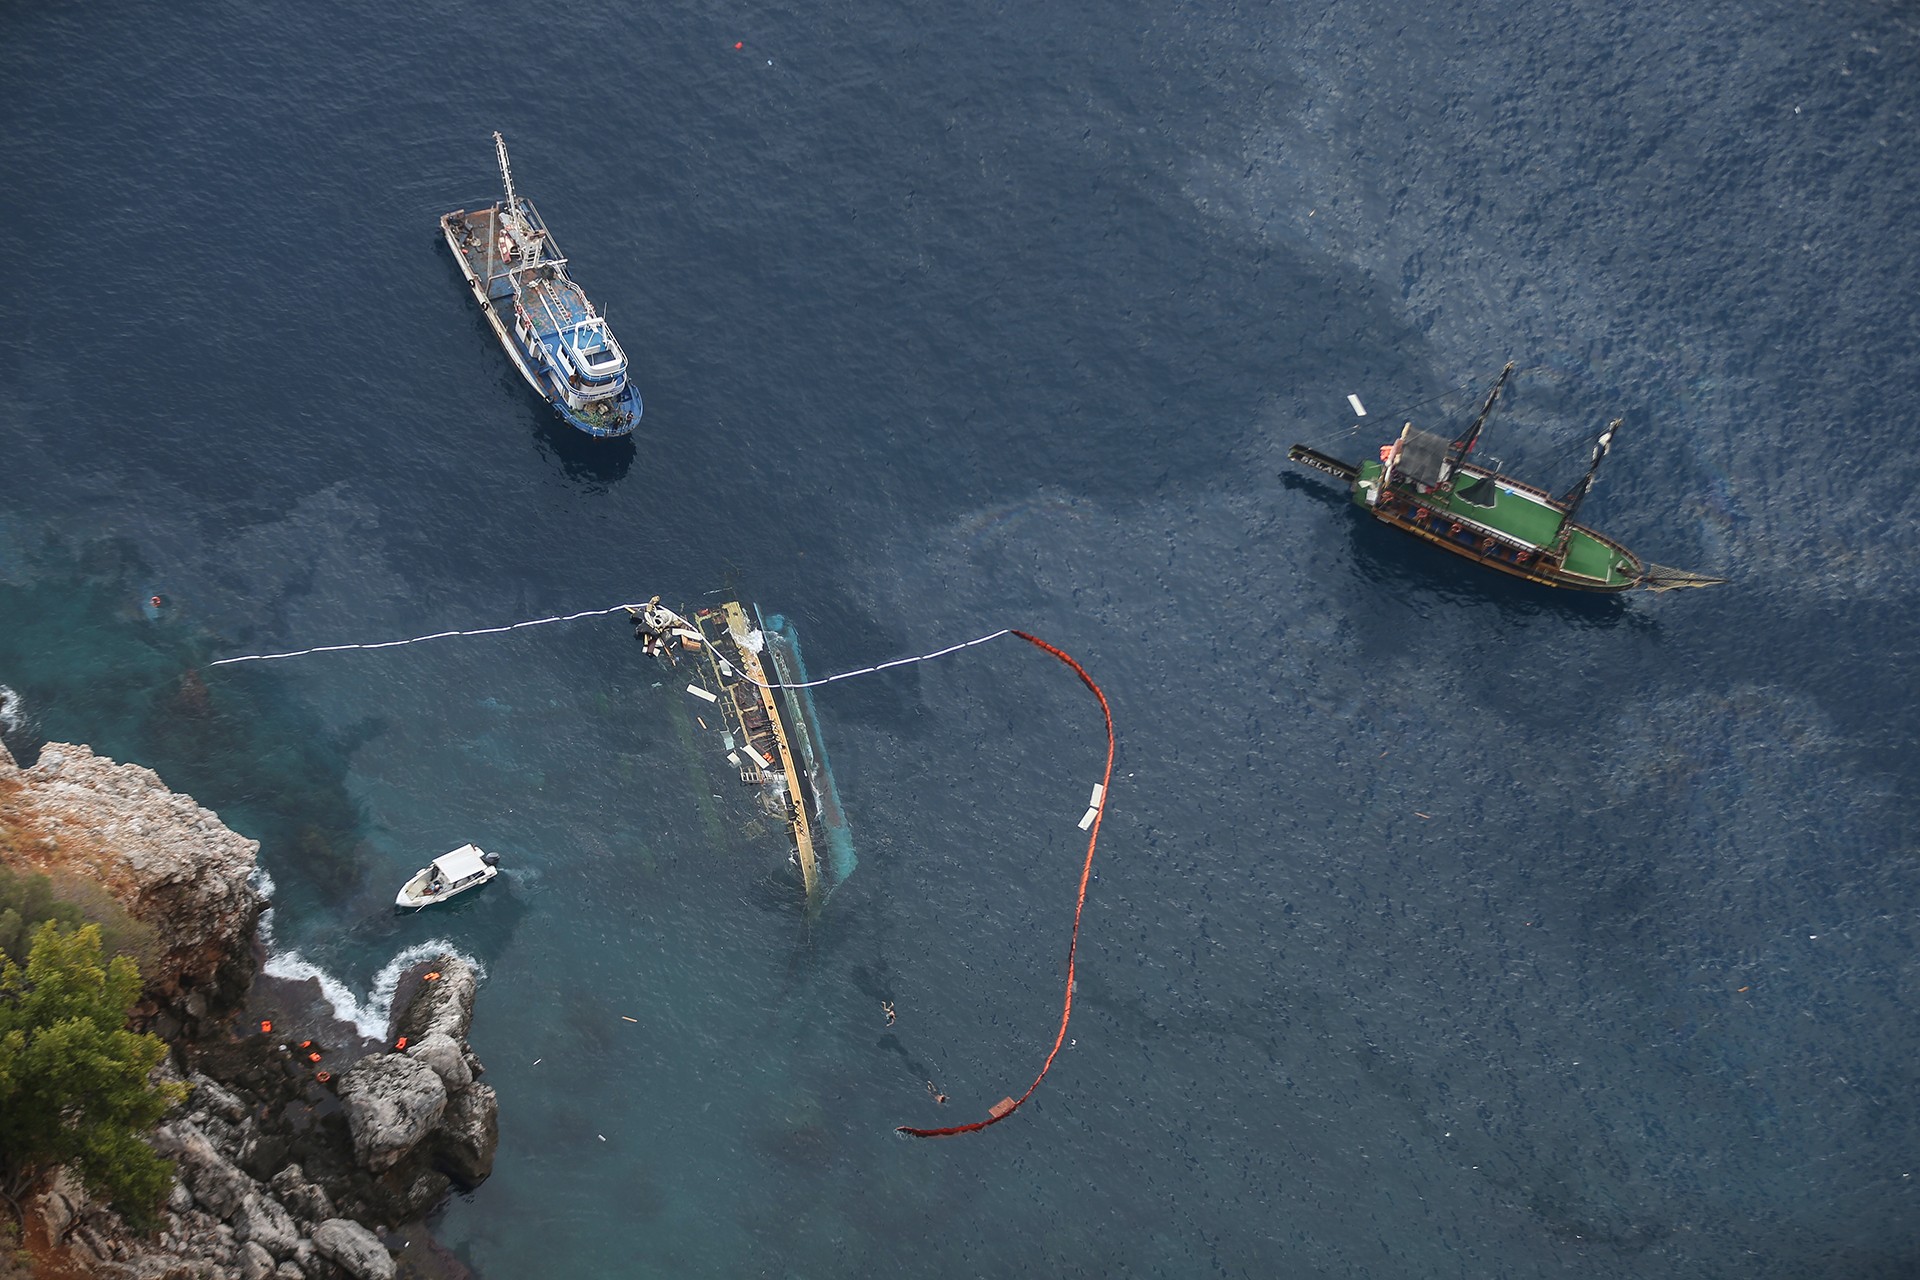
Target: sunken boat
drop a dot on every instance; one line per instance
(551, 331)
(1427, 485)
(745, 668)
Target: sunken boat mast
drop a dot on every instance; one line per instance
(1426, 485)
(551, 331)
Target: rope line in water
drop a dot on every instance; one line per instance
(1007, 1106)
(438, 635)
(867, 671)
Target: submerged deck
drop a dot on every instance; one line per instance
(756, 733)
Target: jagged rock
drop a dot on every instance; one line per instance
(392, 1102)
(168, 862)
(255, 1263)
(61, 1203)
(210, 1096)
(444, 1005)
(289, 1271)
(470, 1133)
(303, 1199)
(213, 1180)
(354, 1248)
(261, 1220)
(442, 1052)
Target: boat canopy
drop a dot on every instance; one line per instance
(1423, 457)
(460, 864)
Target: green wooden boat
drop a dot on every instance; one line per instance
(1424, 484)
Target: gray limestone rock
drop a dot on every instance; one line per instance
(303, 1199)
(392, 1102)
(470, 1134)
(255, 1263)
(354, 1248)
(261, 1220)
(442, 1052)
(212, 1096)
(444, 1005)
(213, 1180)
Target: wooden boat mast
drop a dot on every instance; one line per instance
(1578, 494)
(1464, 445)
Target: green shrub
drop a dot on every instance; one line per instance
(74, 1085)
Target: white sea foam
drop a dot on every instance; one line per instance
(13, 710)
(369, 1016)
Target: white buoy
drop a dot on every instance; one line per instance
(758, 759)
(698, 692)
(1359, 410)
(1086, 819)
(1099, 794)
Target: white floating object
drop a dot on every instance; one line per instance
(698, 692)
(1086, 819)
(1099, 794)
(1359, 410)
(726, 668)
(758, 759)
(733, 758)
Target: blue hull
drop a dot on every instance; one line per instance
(627, 406)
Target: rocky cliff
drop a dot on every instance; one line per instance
(283, 1166)
(169, 864)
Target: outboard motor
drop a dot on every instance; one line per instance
(491, 859)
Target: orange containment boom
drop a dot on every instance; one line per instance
(1007, 1106)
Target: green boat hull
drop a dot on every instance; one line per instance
(1511, 529)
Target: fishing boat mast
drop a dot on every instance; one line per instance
(506, 172)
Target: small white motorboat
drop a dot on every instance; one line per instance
(465, 868)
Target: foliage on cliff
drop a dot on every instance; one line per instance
(26, 903)
(74, 1085)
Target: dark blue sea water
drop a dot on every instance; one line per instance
(1443, 926)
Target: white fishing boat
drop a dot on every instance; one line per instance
(467, 867)
(556, 338)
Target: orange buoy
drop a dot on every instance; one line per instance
(313, 1057)
(433, 977)
(400, 1044)
(323, 1076)
(266, 1026)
